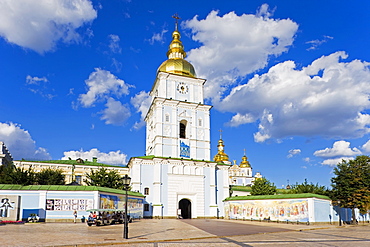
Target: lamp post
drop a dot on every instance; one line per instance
(126, 182)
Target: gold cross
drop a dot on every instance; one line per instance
(220, 133)
(177, 18)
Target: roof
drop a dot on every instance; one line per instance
(73, 162)
(281, 196)
(67, 188)
(151, 157)
(241, 188)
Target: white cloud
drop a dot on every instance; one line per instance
(39, 25)
(263, 11)
(111, 158)
(366, 147)
(101, 85)
(158, 37)
(307, 159)
(116, 64)
(35, 80)
(305, 102)
(39, 85)
(339, 149)
(334, 162)
(141, 102)
(115, 112)
(20, 143)
(293, 152)
(239, 119)
(234, 46)
(114, 43)
(314, 44)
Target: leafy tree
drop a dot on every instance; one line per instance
(263, 186)
(5, 171)
(50, 176)
(104, 178)
(351, 185)
(309, 188)
(10, 174)
(22, 176)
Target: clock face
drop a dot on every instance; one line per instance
(182, 88)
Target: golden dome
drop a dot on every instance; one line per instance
(176, 64)
(245, 162)
(221, 156)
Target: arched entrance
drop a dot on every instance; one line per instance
(185, 206)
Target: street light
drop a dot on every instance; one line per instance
(126, 182)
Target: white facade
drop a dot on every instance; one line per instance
(178, 123)
(166, 181)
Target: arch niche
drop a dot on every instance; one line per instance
(182, 129)
(185, 206)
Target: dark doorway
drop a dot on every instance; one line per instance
(185, 206)
(182, 130)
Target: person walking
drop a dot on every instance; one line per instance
(75, 216)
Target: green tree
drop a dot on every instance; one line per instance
(5, 172)
(351, 185)
(104, 178)
(22, 176)
(263, 186)
(50, 176)
(309, 188)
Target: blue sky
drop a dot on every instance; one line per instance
(289, 80)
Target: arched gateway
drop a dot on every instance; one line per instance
(185, 206)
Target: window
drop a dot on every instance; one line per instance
(146, 191)
(78, 179)
(167, 118)
(200, 122)
(183, 129)
(146, 207)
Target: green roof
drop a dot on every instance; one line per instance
(73, 162)
(150, 157)
(241, 188)
(281, 196)
(249, 189)
(67, 188)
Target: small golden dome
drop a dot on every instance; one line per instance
(221, 156)
(176, 64)
(245, 162)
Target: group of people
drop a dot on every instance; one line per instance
(92, 216)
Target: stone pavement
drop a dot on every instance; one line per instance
(194, 232)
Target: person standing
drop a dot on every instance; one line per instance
(75, 216)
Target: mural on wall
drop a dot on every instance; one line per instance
(134, 206)
(9, 207)
(69, 204)
(5, 207)
(292, 210)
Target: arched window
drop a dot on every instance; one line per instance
(146, 191)
(183, 129)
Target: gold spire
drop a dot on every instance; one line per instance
(176, 63)
(221, 156)
(245, 162)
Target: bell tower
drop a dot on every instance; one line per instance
(178, 121)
